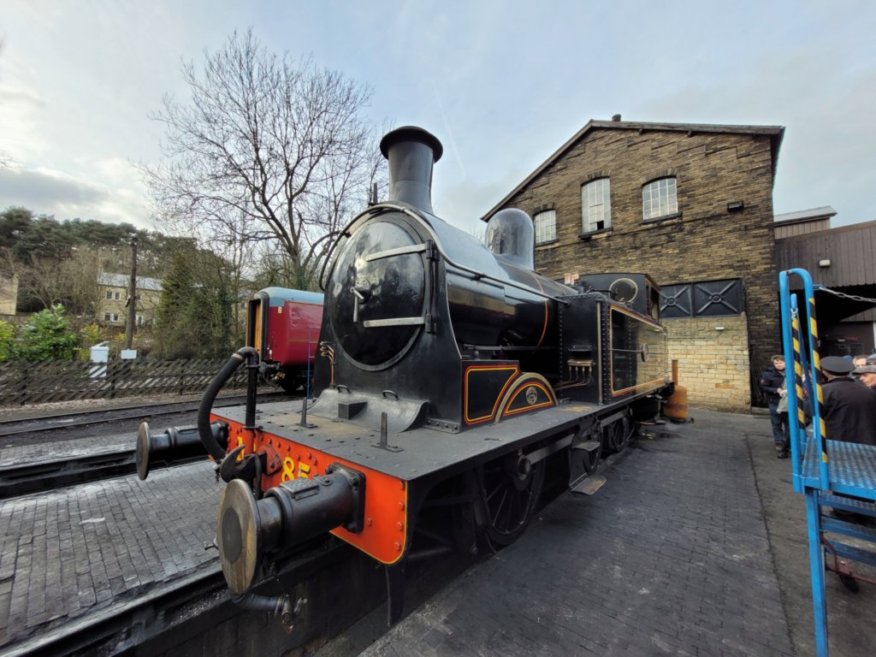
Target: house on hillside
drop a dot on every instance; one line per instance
(8, 294)
(113, 290)
(689, 204)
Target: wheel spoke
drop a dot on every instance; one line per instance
(508, 501)
(495, 517)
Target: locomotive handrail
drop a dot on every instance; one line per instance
(377, 209)
(394, 321)
(391, 253)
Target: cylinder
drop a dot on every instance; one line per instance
(170, 445)
(288, 515)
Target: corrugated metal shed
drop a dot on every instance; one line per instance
(847, 255)
(803, 222)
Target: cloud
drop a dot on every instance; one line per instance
(23, 96)
(37, 187)
(52, 192)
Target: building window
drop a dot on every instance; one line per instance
(116, 295)
(110, 317)
(659, 199)
(109, 294)
(545, 226)
(596, 206)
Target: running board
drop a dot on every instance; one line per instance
(589, 486)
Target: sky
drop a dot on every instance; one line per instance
(502, 83)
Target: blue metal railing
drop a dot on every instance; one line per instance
(801, 356)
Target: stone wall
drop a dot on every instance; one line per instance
(704, 241)
(713, 360)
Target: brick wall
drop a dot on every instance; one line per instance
(712, 364)
(704, 242)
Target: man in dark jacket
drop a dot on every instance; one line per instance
(772, 384)
(849, 407)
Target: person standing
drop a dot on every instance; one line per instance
(849, 407)
(867, 375)
(772, 384)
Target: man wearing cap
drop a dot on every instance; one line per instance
(849, 408)
(866, 374)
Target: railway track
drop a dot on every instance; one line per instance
(40, 471)
(67, 420)
(195, 607)
(37, 476)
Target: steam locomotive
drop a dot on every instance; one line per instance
(452, 380)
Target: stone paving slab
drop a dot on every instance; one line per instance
(851, 616)
(63, 448)
(73, 551)
(671, 557)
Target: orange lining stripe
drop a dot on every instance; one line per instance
(615, 393)
(550, 402)
(546, 311)
(486, 418)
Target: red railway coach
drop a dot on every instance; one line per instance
(283, 327)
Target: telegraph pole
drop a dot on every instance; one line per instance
(132, 298)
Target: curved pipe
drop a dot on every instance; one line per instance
(213, 447)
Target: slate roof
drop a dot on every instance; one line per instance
(124, 280)
(775, 132)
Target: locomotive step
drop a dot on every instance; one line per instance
(589, 486)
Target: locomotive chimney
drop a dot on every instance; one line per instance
(411, 152)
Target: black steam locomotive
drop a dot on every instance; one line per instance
(451, 379)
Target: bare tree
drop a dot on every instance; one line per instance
(266, 149)
(71, 282)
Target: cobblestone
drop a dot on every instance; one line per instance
(69, 552)
(670, 557)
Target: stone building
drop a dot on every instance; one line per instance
(689, 204)
(8, 294)
(113, 295)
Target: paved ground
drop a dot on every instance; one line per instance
(851, 617)
(694, 547)
(61, 448)
(77, 550)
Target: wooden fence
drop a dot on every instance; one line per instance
(51, 381)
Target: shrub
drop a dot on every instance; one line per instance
(46, 336)
(7, 336)
(89, 335)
